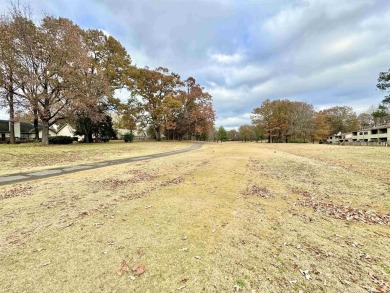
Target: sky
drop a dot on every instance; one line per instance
(323, 52)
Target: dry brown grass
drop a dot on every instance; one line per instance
(224, 218)
(35, 156)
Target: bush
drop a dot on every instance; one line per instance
(60, 140)
(128, 137)
(75, 138)
(105, 139)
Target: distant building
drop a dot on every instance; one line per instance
(378, 134)
(374, 134)
(23, 130)
(339, 138)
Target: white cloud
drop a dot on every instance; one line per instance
(226, 59)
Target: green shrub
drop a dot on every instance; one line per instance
(75, 138)
(60, 140)
(128, 137)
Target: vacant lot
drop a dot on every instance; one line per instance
(229, 217)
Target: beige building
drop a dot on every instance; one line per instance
(378, 134)
(375, 134)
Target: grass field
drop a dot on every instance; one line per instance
(231, 217)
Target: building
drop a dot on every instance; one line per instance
(339, 138)
(24, 131)
(374, 135)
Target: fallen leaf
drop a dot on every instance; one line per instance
(138, 269)
(132, 278)
(124, 266)
(197, 257)
(185, 249)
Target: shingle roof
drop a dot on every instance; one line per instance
(28, 127)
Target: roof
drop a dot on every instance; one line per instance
(4, 126)
(25, 127)
(28, 127)
(376, 127)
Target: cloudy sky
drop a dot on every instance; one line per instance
(324, 52)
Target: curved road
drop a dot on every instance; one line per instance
(23, 177)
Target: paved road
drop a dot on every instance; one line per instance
(23, 177)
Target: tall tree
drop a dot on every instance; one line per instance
(384, 85)
(222, 134)
(262, 116)
(233, 135)
(322, 127)
(54, 60)
(155, 87)
(341, 119)
(246, 133)
(8, 65)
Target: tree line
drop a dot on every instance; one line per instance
(292, 121)
(55, 72)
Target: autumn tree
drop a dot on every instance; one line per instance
(365, 120)
(53, 61)
(302, 126)
(155, 87)
(246, 133)
(321, 126)
(109, 69)
(262, 116)
(8, 65)
(341, 119)
(233, 135)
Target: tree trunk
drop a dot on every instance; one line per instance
(45, 132)
(36, 130)
(11, 118)
(158, 133)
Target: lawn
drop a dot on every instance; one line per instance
(231, 217)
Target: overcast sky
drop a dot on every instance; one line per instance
(324, 52)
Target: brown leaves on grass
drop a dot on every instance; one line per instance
(17, 191)
(138, 269)
(138, 176)
(257, 191)
(124, 268)
(303, 193)
(346, 212)
(113, 183)
(173, 181)
(381, 286)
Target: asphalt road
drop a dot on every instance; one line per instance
(29, 176)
